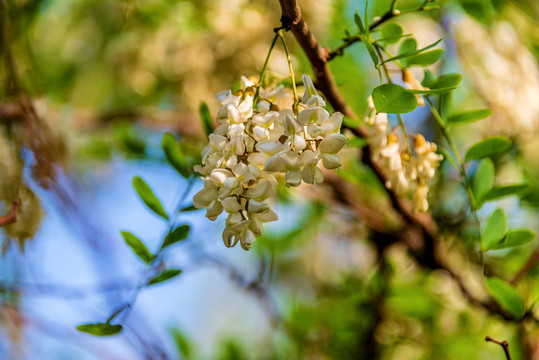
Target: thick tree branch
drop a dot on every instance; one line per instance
(421, 225)
(418, 232)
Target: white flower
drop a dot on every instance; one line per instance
(254, 141)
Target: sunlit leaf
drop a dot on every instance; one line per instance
(488, 147)
(505, 295)
(100, 329)
(138, 247)
(447, 81)
(164, 276)
(411, 53)
(178, 234)
(148, 197)
(469, 116)
(392, 33)
(174, 155)
(408, 46)
(494, 229)
(428, 79)
(514, 238)
(392, 98)
(425, 58)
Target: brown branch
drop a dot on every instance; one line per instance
(418, 231)
(12, 216)
(422, 225)
(504, 344)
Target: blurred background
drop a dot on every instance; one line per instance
(90, 86)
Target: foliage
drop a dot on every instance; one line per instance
(420, 245)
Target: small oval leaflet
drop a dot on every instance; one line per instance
(138, 247)
(100, 329)
(494, 229)
(514, 238)
(148, 197)
(470, 116)
(505, 295)
(488, 147)
(392, 33)
(165, 275)
(175, 156)
(178, 234)
(392, 98)
(205, 118)
(483, 180)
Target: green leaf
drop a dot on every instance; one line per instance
(445, 105)
(180, 233)
(408, 46)
(205, 118)
(428, 79)
(425, 58)
(189, 208)
(370, 48)
(505, 295)
(447, 81)
(494, 229)
(100, 329)
(469, 116)
(174, 155)
(488, 147)
(411, 53)
(392, 98)
(392, 33)
(164, 276)
(483, 180)
(138, 247)
(514, 238)
(183, 344)
(147, 196)
(357, 142)
(359, 23)
(498, 192)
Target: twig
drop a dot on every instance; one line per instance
(528, 265)
(504, 344)
(418, 232)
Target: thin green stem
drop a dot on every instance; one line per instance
(263, 72)
(289, 60)
(468, 186)
(350, 40)
(401, 122)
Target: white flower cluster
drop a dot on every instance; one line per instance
(252, 143)
(406, 171)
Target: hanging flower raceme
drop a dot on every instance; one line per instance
(406, 170)
(257, 140)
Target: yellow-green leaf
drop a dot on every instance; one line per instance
(505, 295)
